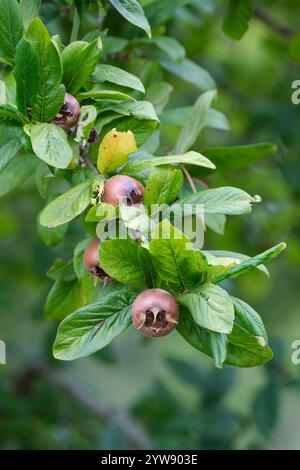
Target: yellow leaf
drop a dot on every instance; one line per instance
(115, 149)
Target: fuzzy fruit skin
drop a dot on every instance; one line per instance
(68, 114)
(155, 313)
(91, 260)
(122, 189)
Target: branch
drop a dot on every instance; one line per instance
(273, 24)
(190, 179)
(125, 422)
(85, 156)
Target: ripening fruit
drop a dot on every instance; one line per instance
(68, 114)
(122, 189)
(91, 260)
(155, 313)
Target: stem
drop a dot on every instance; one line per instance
(85, 156)
(273, 24)
(125, 422)
(190, 179)
(76, 26)
(201, 182)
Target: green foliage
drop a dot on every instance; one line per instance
(119, 259)
(238, 15)
(49, 95)
(50, 144)
(11, 30)
(26, 75)
(149, 86)
(121, 130)
(79, 60)
(133, 12)
(93, 327)
(210, 307)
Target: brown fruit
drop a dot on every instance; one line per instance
(155, 313)
(122, 189)
(68, 114)
(91, 260)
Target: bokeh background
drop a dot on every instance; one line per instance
(164, 392)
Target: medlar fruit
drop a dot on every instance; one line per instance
(155, 313)
(122, 189)
(91, 260)
(68, 114)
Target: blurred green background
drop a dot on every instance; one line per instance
(171, 391)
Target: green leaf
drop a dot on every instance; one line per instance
(142, 129)
(50, 93)
(8, 152)
(109, 73)
(235, 158)
(50, 144)
(226, 259)
(179, 116)
(243, 349)
(239, 13)
(51, 236)
(163, 186)
(141, 109)
(139, 118)
(112, 45)
(174, 259)
(226, 200)
(66, 297)
(62, 270)
(158, 94)
(100, 212)
(190, 72)
(11, 30)
(99, 93)
(132, 11)
(63, 299)
(249, 319)
(159, 12)
(294, 47)
(86, 121)
(10, 113)
(169, 45)
(216, 222)
(145, 262)
(79, 61)
(17, 172)
(119, 259)
(93, 327)
(67, 206)
(218, 343)
(27, 75)
(193, 158)
(29, 9)
(42, 177)
(210, 307)
(246, 266)
(195, 124)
